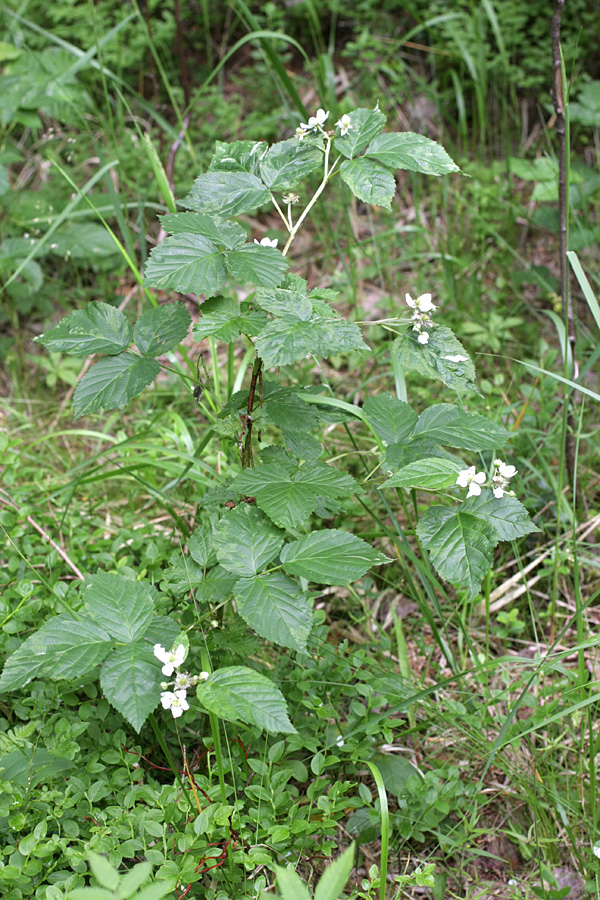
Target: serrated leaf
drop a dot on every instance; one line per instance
(240, 694)
(460, 545)
(99, 328)
(245, 541)
(161, 630)
(333, 880)
(130, 680)
(288, 495)
(238, 156)
(186, 262)
(301, 445)
(226, 193)
(226, 319)
(112, 382)
(392, 419)
(63, 647)
(446, 424)
(330, 557)
(275, 607)
(366, 123)
(288, 162)
(411, 151)
(200, 545)
(283, 342)
(399, 455)
(506, 514)
(430, 474)
(263, 266)
(219, 231)
(122, 607)
(432, 358)
(159, 330)
(292, 306)
(369, 181)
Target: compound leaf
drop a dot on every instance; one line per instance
(220, 231)
(159, 330)
(461, 546)
(240, 694)
(288, 162)
(330, 557)
(186, 263)
(365, 124)
(130, 680)
(99, 328)
(112, 382)
(369, 181)
(245, 541)
(275, 607)
(226, 319)
(284, 342)
(411, 151)
(264, 266)
(226, 193)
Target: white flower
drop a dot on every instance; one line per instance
(203, 676)
(457, 358)
(340, 741)
(266, 242)
(290, 197)
(469, 478)
(504, 470)
(498, 492)
(183, 681)
(344, 124)
(423, 337)
(175, 701)
(596, 850)
(422, 303)
(172, 659)
(319, 120)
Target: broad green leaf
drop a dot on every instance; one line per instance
(133, 879)
(200, 545)
(219, 231)
(264, 266)
(288, 162)
(301, 445)
(103, 872)
(122, 607)
(366, 123)
(275, 607)
(159, 330)
(216, 586)
(290, 885)
(226, 319)
(245, 541)
(507, 514)
(63, 647)
(186, 263)
(292, 306)
(333, 880)
(28, 766)
(130, 678)
(399, 455)
(112, 382)
(429, 474)
(239, 694)
(435, 358)
(239, 156)
(369, 181)
(83, 240)
(99, 328)
(446, 424)
(284, 342)
(411, 151)
(289, 495)
(392, 419)
(461, 546)
(161, 630)
(226, 193)
(330, 557)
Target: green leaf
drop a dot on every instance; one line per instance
(366, 123)
(112, 382)
(430, 474)
(392, 419)
(333, 880)
(239, 694)
(239, 156)
(161, 630)
(507, 514)
(130, 680)
(99, 328)
(330, 557)
(399, 455)
(264, 266)
(275, 607)
(292, 306)
(245, 541)
(446, 424)
(122, 607)
(461, 546)
(219, 231)
(284, 342)
(200, 545)
(411, 151)
(159, 330)
(288, 162)
(134, 878)
(103, 872)
(186, 263)
(289, 495)
(226, 193)
(291, 886)
(431, 359)
(63, 647)
(226, 319)
(369, 181)
(83, 240)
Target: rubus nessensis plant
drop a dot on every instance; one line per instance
(260, 547)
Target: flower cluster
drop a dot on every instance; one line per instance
(266, 242)
(176, 699)
(421, 319)
(500, 480)
(316, 123)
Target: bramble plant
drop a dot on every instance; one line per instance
(261, 546)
